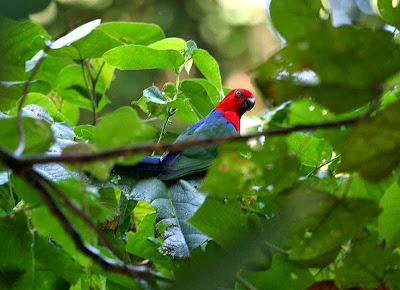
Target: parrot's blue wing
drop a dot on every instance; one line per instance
(197, 159)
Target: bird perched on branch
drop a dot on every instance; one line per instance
(222, 121)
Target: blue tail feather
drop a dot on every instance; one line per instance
(154, 163)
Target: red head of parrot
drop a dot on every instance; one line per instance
(235, 104)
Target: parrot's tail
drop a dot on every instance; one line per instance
(155, 164)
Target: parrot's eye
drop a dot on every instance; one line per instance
(238, 93)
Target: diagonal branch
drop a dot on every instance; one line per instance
(73, 158)
(43, 187)
(81, 215)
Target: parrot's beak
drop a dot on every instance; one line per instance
(247, 105)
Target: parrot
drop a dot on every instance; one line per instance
(222, 121)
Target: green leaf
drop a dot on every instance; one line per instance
(110, 133)
(387, 220)
(16, 263)
(44, 102)
(208, 66)
(282, 275)
(389, 12)
(270, 167)
(85, 132)
(144, 245)
(134, 57)
(49, 69)
(21, 40)
(212, 91)
(174, 43)
(294, 19)
(363, 266)
(97, 205)
(197, 97)
(49, 257)
(372, 146)
(92, 45)
(133, 33)
(314, 68)
(154, 95)
(45, 280)
(174, 205)
(10, 92)
(72, 86)
(318, 223)
(222, 221)
(310, 150)
(38, 135)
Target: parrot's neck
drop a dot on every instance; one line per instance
(232, 117)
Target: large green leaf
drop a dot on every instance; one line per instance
(372, 146)
(10, 92)
(197, 96)
(282, 275)
(134, 57)
(144, 245)
(222, 221)
(83, 44)
(174, 43)
(293, 19)
(72, 86)
(20, 41)
(387, 220)
(16, 263)
(174, 205)
(133, 33)
(46, 103)
(389, 11)
(208, 66)
(363, 266)
(319, 67)
(49, 257)
(318, 223)
(110, 133)
(310, 150)
(38, 135)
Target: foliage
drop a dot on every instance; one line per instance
(273, 212)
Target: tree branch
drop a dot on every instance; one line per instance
(82, 216)
(73, 158)
(42, 186)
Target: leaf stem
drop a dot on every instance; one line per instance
(315, 170)
(170, 113)
(245, 283)
(21, 145)
(90, 91)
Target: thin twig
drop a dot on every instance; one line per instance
(73, 158)
(275, 248)
(21, 145)
(82, 216)
(323, 164)
(170, 113)
(90, 92)
(245, 283)
(41, 185)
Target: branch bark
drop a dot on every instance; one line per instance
(73, 158)
(43, 187)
